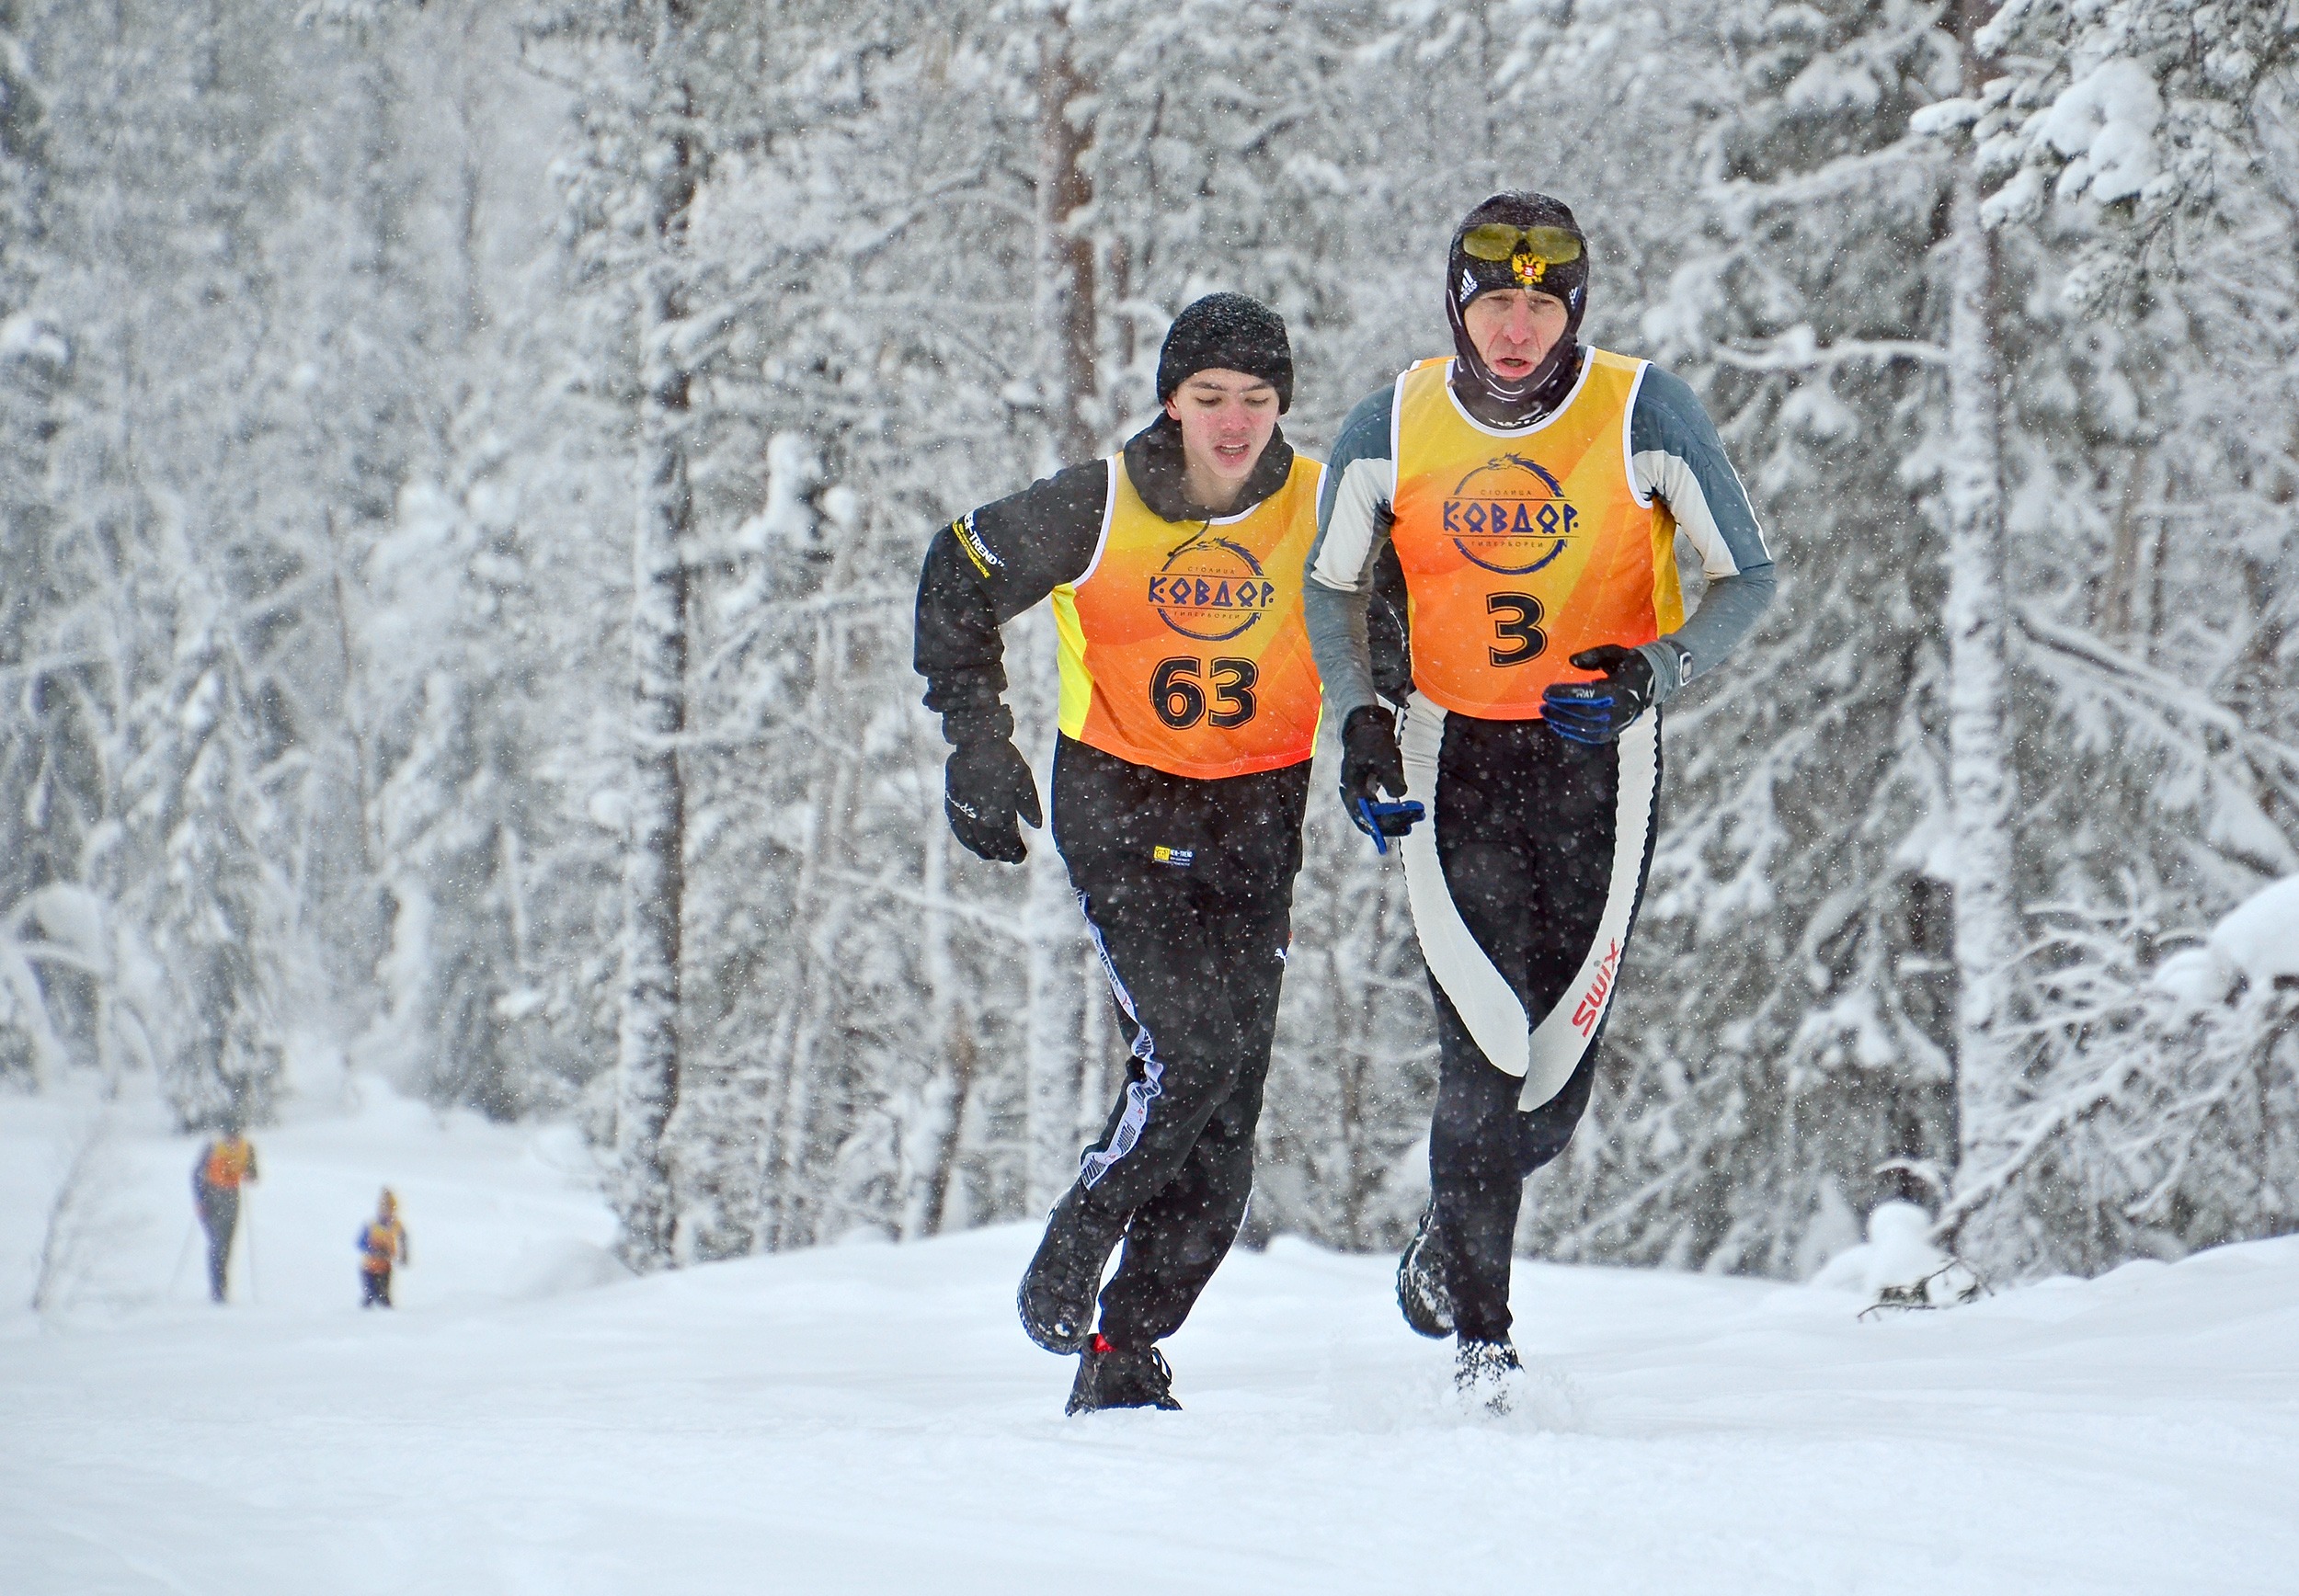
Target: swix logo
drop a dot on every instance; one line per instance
(1509, 516)
(1211, 589)
(1592, 1003)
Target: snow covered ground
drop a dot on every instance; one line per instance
(870, 1419)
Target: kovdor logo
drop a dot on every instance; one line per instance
(1510, 516)
(1212, 590)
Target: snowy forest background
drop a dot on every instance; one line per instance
(464, 466)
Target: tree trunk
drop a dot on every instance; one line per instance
(654, 869)
(960, 1050)
(1066, 285)
(952, 1018)
(1066, 361)
(1982, 783)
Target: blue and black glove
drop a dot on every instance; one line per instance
(1370, 765)
(1593, 714)
(986, 787)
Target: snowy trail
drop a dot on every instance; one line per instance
(869, 1418)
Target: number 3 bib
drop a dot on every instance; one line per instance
(1522, 548)
(1183, 646)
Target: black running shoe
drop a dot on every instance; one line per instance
(1109, 1377)
(1422, 1294)
(1058, 1291)
(1482, 1371)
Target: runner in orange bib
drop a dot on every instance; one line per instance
(226, 1162)
(383, 1243)
(1188, 715)
(1498, 554)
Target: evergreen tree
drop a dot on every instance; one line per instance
(2154, 142)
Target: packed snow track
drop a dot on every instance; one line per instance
(870, 1419)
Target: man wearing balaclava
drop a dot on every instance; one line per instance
(1527, 493)
(1188, 716)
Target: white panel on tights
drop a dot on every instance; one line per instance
(1480, 994)
(1562, 1036)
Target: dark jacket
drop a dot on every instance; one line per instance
(994, 562)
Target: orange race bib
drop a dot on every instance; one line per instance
(1183, 646)
(227, 1164)
(1520, 549)
(380, 1248)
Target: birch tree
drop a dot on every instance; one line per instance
(1982, 780)
(644, 163)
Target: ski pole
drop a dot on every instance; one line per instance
(175, 1281)
(247, 1213)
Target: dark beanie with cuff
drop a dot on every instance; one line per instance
(1232, 333)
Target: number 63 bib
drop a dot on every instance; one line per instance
(1183, 646)
(1522, 548)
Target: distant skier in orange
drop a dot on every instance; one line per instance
(383, 1242)
(224, 1164)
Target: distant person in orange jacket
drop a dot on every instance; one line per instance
(224, 1164)
(383, 1242)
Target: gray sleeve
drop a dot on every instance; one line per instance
(1676, 457)
(1353, 522)
(1728, 613)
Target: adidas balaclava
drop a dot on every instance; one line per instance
(1466, 277)
(1232, 333)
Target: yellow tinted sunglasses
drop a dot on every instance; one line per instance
(1500, 241)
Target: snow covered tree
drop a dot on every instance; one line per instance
(649, 153)
(45, 809)
(2160, 1118)
(2156, 141)
(1983, 792)
(183, 719)
(251, 346)
(195, 788)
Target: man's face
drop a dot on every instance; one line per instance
(1226, 418)
(1514, 328)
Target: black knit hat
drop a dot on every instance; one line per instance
(1232, 333)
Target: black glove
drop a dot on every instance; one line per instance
(986, 787)
(1370, 765)
(1593, 714)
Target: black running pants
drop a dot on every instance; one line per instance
(1528, 836)
(1194, 970)
(219, 1217)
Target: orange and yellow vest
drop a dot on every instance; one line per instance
(378, 1245)
(1520, 549)
(228, 1157)
(1183, 646)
